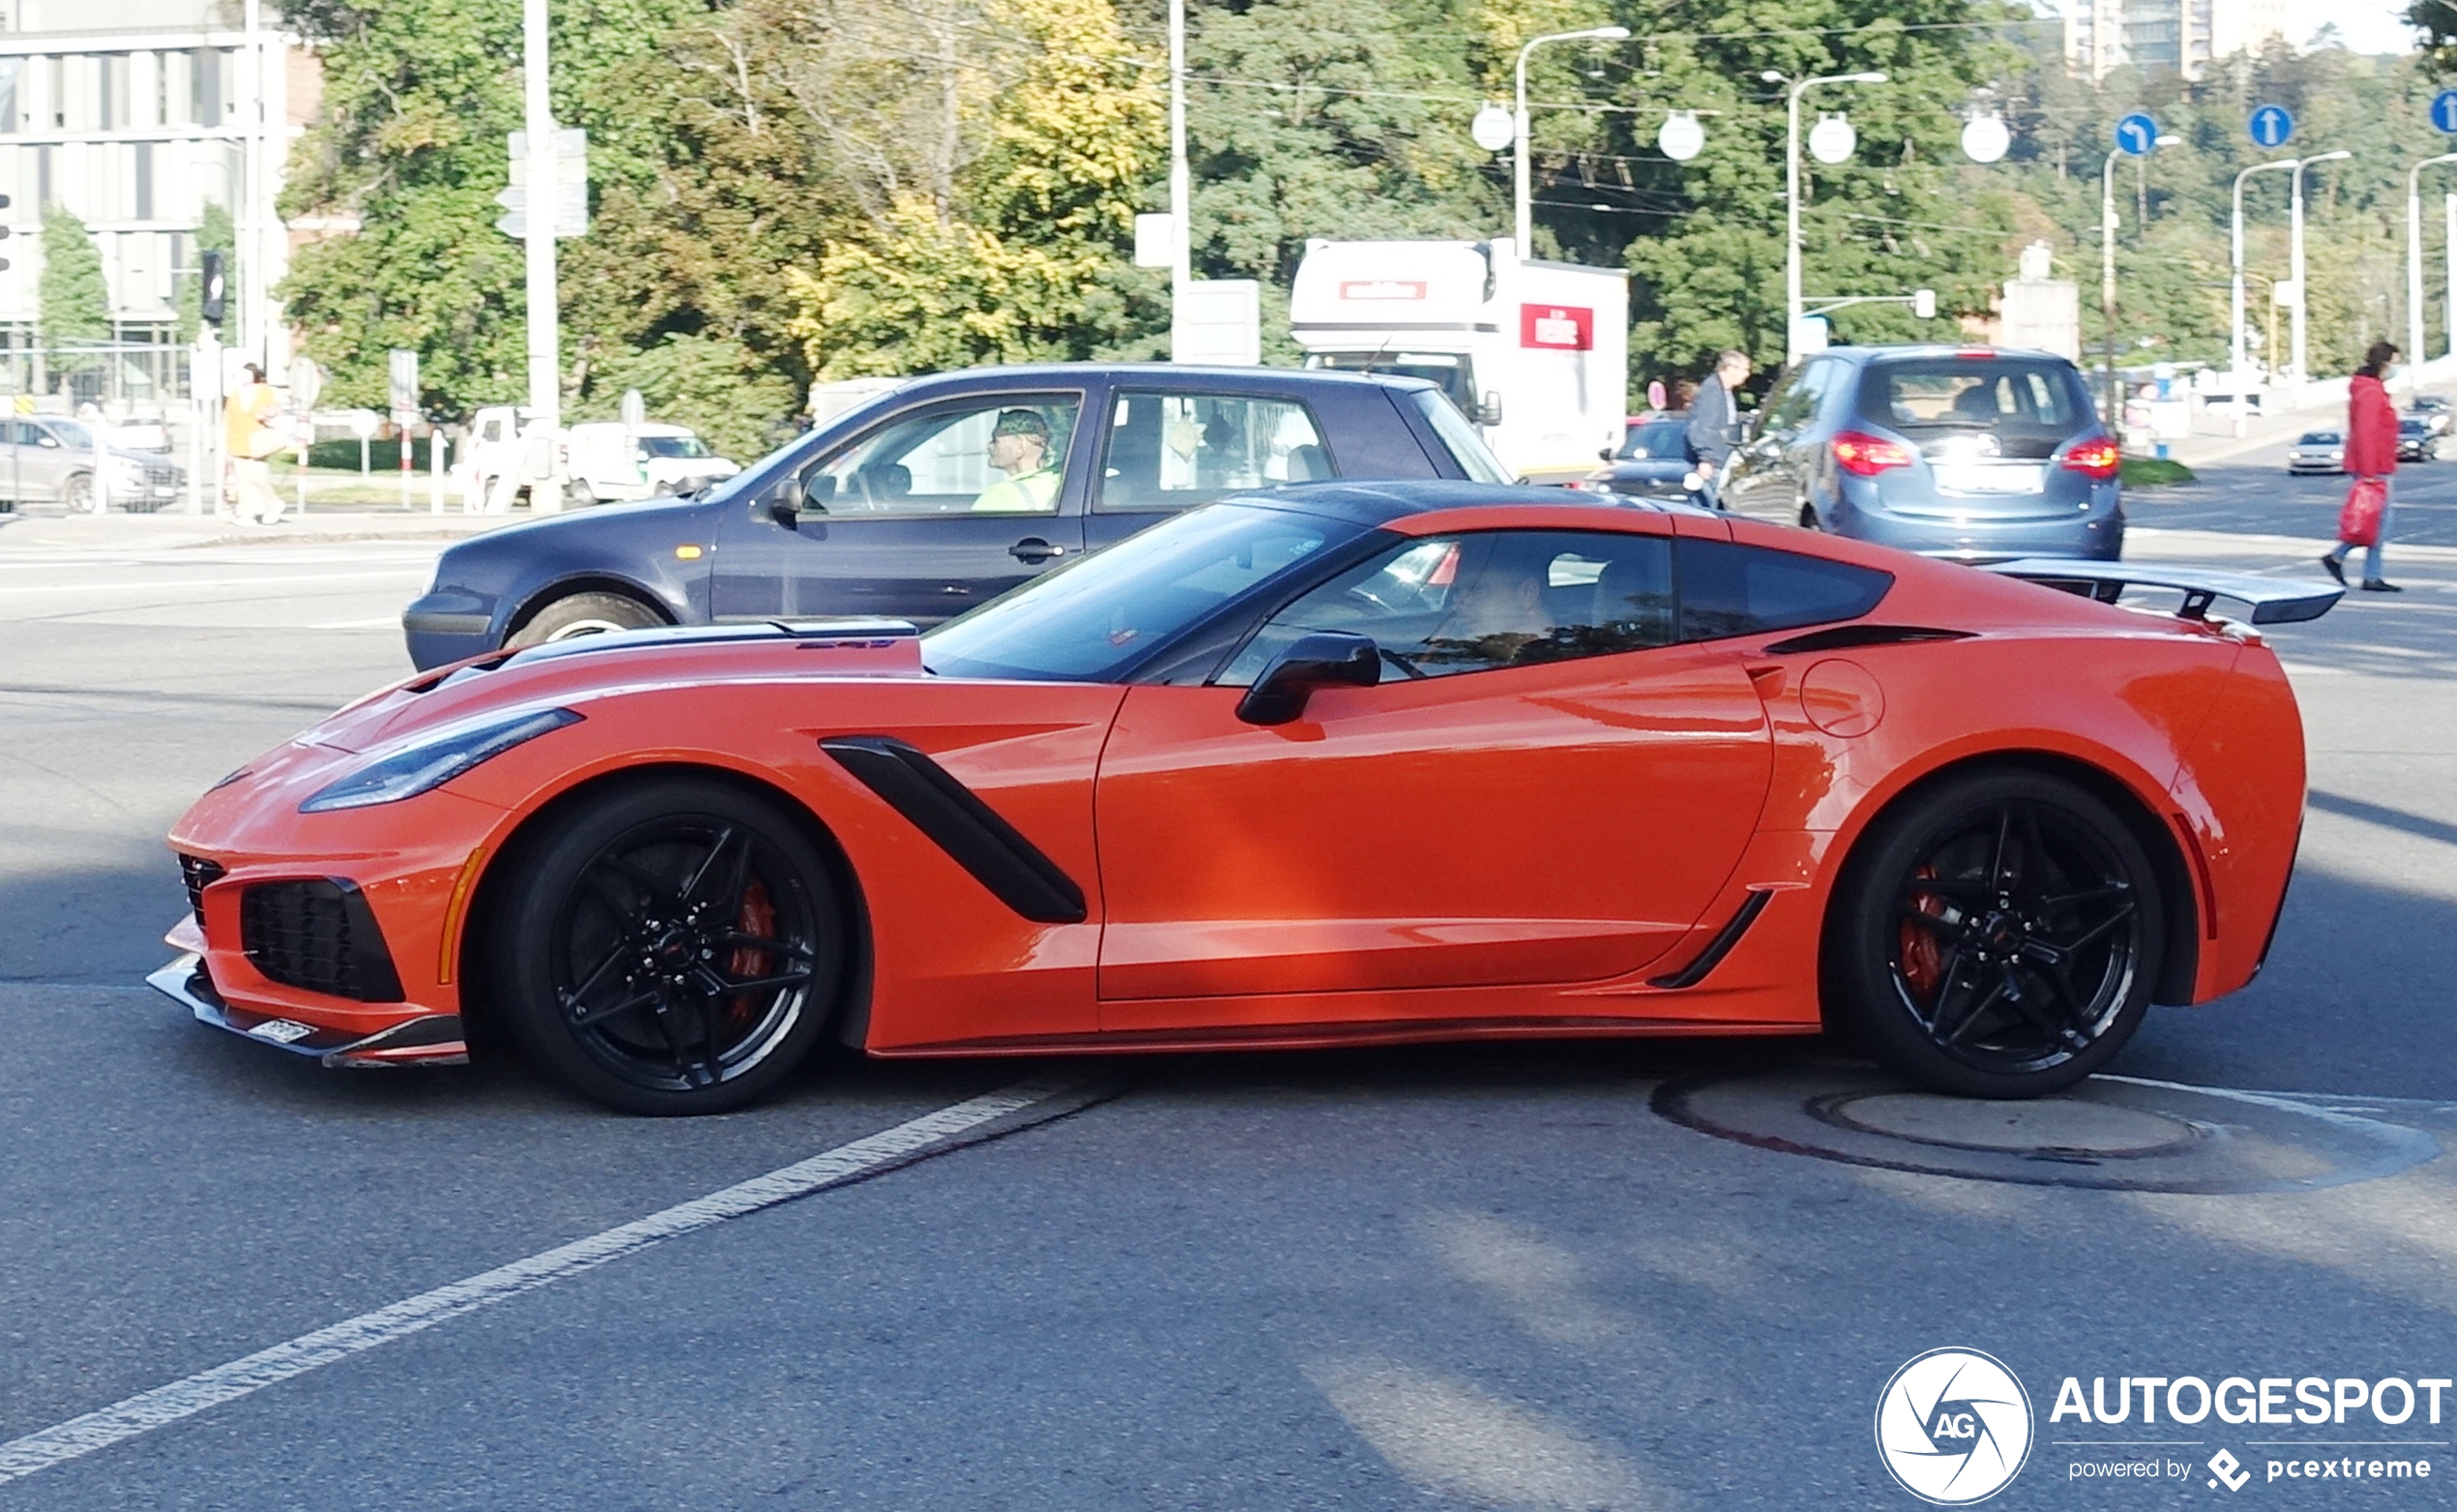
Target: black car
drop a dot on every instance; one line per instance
(1652, 460)
(2416, 441)
(937, 495)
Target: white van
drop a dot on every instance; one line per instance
(1535, 352)
(609, 461)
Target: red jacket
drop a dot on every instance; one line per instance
(2371, 429)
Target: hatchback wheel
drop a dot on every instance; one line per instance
(1996, 936)
(674, 948)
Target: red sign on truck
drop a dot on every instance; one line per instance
(1556, 328)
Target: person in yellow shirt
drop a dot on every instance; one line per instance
(251, 441)
(1019, 448)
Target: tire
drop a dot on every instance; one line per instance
(670, 949)
(2015, 988)
(77, 493)
(586, 614)
(578, 494)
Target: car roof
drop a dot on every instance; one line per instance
(1175, 375)
(1381, 503)
(1913, 351)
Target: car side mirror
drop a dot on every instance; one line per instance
(1488, 411)
(1604, 453)
(1325, 659)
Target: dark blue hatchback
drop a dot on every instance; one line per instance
(938, 495)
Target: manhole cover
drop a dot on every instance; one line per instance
(2050, 1125)
(2111, 1133)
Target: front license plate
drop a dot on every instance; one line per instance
(1990, 477)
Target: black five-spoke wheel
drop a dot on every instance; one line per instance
(1996, 936)
(674, 948)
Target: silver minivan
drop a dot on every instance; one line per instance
(1977, 453)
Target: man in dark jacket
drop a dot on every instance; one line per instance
(1714, 423)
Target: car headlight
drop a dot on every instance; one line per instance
(431, 763)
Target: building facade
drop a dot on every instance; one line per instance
(2182, 37)
(135, 115)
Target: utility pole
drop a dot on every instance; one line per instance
(2235, 325)
(1522, 176)
(1792, 303)
(251, 235)
(2297, 349)
(546, 376)
(1180, 185)
(2107, 270)
(2414, 352)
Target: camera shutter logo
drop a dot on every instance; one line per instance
(1954, 1427)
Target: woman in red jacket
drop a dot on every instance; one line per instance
(2371, 452)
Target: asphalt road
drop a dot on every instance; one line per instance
(1551, 1277)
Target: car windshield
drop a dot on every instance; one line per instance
(74, 434)
(1654, 439)
(1090, 620)
(673, 446)
(2319, 439)
(1474, 457)
(2029, 406)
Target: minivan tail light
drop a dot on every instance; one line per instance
(2097, 459)
(1867, 456)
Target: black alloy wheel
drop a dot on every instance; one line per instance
(675, 948)
(1996, 936)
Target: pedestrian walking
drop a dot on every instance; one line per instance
(2371, 457)
(1714, 426)
(251, 439)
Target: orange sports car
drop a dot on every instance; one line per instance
(1330, 765)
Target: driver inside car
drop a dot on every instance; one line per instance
(1496, 611)
(1020, 447)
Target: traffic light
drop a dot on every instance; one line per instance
(215, 302)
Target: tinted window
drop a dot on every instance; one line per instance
(1474, 603)
(1172, 450)
(673, 446)
(2319, 439)
(1727, 589)
(2029, 406)
(1655, 440)
(1465, 445)
(1089, 620)
(1004, 454)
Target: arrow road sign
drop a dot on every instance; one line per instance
(2136, 134)
(2444, 111)
(2271, 125)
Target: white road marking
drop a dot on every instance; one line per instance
(293, 579)
(148, 1410)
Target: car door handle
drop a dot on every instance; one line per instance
(1032, 549)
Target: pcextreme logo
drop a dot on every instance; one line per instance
(1954, 1427)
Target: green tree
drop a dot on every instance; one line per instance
(707, 382)
(74, 303)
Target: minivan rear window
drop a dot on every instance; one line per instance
(2032, 408)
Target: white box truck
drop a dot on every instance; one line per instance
(1535, 352)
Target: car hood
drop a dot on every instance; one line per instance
(573, 673)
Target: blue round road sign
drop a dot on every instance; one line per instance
(2136, 133)
(2444, 111)
(2272, 125)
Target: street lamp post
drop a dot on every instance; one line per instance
(2235, 324)
(1791, 300)
(2107, 270)
(2415, 268)
(2296, 348)
(1522, 180)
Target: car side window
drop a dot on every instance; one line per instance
(1796, 401)
(1173, 451)
(1001, 455)
(1493, 599)
(1729, 589)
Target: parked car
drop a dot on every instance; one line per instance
(938, 495)
(2318, 451)
(610, 460)
(2434, 408)
(142, 435)
(49, 460)
(1973, 453)
(1651, 461)
(2416, 441)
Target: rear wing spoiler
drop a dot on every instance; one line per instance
(2273, 600)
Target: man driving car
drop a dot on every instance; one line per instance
(1020, 447)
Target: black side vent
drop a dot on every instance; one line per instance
(958, 822)
(1849, 637)
(200, 873)
(319, 935)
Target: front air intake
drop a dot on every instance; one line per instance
(319, 935)
(200, 873)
